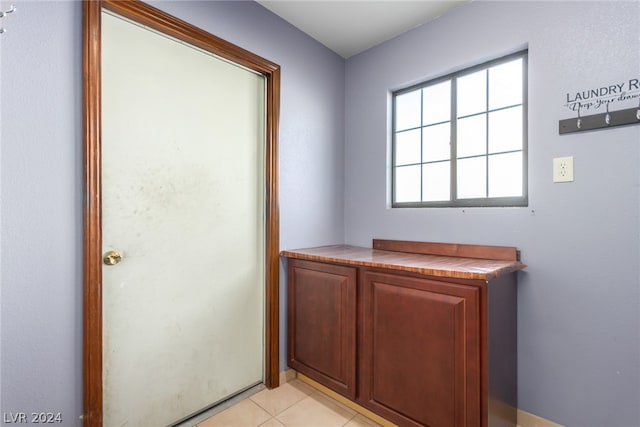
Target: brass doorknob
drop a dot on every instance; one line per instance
(112, 257)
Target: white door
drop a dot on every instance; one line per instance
(183, 136)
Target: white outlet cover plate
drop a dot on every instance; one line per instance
(563, 169)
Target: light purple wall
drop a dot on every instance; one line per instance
(579, 299)
(41, 202)
(41, 181)
(579, 306)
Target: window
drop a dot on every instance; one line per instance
(461, 140)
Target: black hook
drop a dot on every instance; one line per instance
(4, 13)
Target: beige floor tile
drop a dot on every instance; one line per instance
(272, 423)
(332, 402)
(316, 410)
(361, 421)
(303, 387)
(277, 400)
(243, 414)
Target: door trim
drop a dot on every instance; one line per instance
(92, 240)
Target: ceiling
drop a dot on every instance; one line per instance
(353, 26)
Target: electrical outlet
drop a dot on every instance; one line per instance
(563, 169)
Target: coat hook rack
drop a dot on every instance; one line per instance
(629, 116)
(4, 13)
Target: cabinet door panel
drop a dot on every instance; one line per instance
(322, 323)
(420, 352)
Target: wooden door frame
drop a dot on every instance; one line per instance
(92, 242)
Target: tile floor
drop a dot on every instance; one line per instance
(293, 404)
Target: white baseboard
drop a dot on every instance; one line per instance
(525, 419)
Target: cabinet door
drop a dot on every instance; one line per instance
(322, 323)
(420, 351)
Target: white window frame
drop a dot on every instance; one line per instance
(454, 201)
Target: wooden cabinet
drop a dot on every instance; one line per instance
(435, 343)
(419, 350)
(322, 323)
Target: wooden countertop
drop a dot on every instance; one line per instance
(429, 264)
